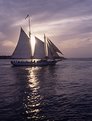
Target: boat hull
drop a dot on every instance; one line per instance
(30, 63)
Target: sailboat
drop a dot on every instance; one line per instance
(45, 53)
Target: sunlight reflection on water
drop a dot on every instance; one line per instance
(33, 99)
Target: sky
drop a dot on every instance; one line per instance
(68, 23)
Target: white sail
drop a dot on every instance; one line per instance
(39, 52)
(23, 48)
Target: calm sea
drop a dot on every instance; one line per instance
(59, 93)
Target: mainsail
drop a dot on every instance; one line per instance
(39, 52)
(23, 48)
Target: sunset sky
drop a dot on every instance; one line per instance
(68, 23)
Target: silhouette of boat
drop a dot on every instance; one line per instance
(45, 53)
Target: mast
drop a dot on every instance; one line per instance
(29, 25)
(45, 47)
(29, 28)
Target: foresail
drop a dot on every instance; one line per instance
(51, 53)
(52, 50)
(23, 48)
(54, 47)
(39, 52)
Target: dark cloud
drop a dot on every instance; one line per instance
(65, 19)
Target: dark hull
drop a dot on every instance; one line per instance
(29, 63)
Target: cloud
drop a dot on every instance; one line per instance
(67, 22)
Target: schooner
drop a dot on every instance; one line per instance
(45, 53)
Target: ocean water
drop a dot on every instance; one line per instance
(54, 93)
